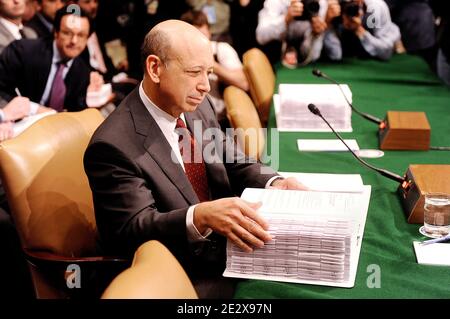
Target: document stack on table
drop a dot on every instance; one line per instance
(292, 113)
(316, 237)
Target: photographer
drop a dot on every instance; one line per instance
(364, 30)
(299, 25)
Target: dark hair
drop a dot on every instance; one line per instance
(195, 17)
(156, 42)
(68, 10)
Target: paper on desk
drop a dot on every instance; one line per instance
(434, 254)
(334, 145)
(20, 126)
(329, 182)
(319, 126)
(316, 238)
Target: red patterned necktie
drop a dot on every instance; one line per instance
(193, 161)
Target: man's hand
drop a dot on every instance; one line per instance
(96, 82)
(234, 218)
(16, 109)
(295, 9)
(353, 24)
(333, 11)
(288, 183)
(318, 25)
(6, 131)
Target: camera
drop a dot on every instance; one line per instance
(350, 8)
(310, 9)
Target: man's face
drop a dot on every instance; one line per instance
(12, 9)
(90, 7)
(49, 7)
(184, 77)
(72, 36)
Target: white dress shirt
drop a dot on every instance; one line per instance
(167, 124)
(13, 28)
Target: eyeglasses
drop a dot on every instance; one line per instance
(70, 35)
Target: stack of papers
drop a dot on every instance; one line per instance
(20, 126)
(292, 113)
(316, 237)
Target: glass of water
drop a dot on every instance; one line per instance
(436, 215)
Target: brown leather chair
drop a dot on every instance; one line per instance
(51, 204)
(244, 118)
(262, 81)
(154, 274)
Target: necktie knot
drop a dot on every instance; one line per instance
(180, 123)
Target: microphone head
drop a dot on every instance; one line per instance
(314, 109)
(317, 73)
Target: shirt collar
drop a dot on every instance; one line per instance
(12, 28)
(164, 119)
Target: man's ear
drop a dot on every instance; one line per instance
(153, 67)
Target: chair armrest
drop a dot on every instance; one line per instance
(48, 259)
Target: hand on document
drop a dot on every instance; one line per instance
(234, 218)
(291, 183)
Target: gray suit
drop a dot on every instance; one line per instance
(6, 37)
(141, 194)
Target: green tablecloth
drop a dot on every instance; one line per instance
(404, 83)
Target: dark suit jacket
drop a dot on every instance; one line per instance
(39, 27)
(140, 194)
(26, 64)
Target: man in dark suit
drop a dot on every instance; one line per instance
(145, 187)
(43, 69)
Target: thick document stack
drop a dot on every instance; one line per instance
(292, 113)
(316, 237)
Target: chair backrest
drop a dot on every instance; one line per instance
(46, 186)
(154, 274)
(244, 118)
(261, 79)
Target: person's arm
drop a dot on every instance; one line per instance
(126, 209)
(381, 43)
(229, 69)
(332, 45)
(274, 18)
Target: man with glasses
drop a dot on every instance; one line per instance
(47, 71)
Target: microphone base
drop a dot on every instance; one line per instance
(422, 179)
(405, 131)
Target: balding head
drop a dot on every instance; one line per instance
(168, 38)
(178, 59)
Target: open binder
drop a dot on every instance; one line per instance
(317, 237)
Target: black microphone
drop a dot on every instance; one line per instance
(383, 172)
(369, 117)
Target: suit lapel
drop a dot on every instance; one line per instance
(159, 149)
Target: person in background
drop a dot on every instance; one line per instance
(31, 7)
(11, 27)
(243, 23)
(364, 30)
(228, 69)
(297, 26)
(42, 22)
(415, 19)
(47, 72)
